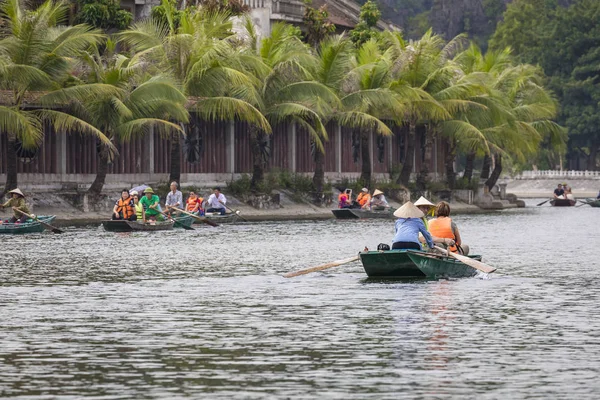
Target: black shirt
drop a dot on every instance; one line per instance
(559, 192)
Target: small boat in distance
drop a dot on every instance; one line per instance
(355, 213)
(30, 226)
(413, 264)
(563, 202)
(130, 226)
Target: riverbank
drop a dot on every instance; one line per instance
(543, 188)
(290, 210)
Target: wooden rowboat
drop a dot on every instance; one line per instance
(412, 264)
(30, 226)
(130, 226)
(217, 218)
(355, 213)
(563, 202)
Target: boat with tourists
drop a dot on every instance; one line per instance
(228, 218)
(414, 264)
(29, 226)
(350, 213)
(130, 226)
(562, 202)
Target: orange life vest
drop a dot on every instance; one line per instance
(363, 198)
(442, 227)
(192, 202)
(124, 208)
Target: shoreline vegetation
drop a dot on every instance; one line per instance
(486, 109)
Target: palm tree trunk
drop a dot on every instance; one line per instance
(175, 167)
(11, 165)
(485, 169)
(449, 161)
(98, 184)
(469, 165)
(491, 182)
(319, 176)
(407, 166)
(365, 150)
(428, 151)
(258, 165)
(592, 157)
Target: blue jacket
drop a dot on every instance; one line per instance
(407, 230)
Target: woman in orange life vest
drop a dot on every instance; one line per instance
(364, 198)
(428, 208)
(344, 199)
(194, 204)
(443, 227)
(124, 207)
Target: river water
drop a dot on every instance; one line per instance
(207, 314)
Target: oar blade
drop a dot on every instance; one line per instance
(478, 265)
(321, 267)
(543, 202)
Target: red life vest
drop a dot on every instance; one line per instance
(442, 227)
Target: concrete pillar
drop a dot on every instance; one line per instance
(292, 153)
(230, 143)
(149, 150)
(338, 149)
(61, 154)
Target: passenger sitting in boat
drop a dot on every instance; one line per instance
(408, 226)
(174, 199)
(559, 192)
(151, 205)
(364, 198)
(124, 207)
(17, 203)
(138, 207)
(216, 202)
(378, 202)
(194, 204)
(569, 193)
(345, 199)
(428, 209)
(443, 227)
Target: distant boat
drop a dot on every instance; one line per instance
(563, 202)
(356, 213)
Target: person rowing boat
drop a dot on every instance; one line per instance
(151, 204)
(407, 228)
(18, 204)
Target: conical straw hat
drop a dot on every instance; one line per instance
(423, 202)
(376, 192)
(17, 191)
(408, 210)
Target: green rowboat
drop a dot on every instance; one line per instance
(185, 220)
(228, 218)
(130, 226)
(399, 264)
(30, 226)
(595, 203)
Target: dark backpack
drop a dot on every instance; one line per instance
(383, 247)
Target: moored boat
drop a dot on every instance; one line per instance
(563, 202)
(129, 226)
(30, 226)
(355, 213)
(398, 264)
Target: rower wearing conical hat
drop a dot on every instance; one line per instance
(18, 204)
(378, 202)
(408, 226)
(426, 206)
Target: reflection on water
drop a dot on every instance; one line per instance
(208, 313)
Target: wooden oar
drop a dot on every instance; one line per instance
(478, 265)
(203, 219)
(321, 267)
(236, 212)
(543, 202)
(47, 226)
(187, 228)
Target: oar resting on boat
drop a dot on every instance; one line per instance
(321, 267)
(203, 219)
(45, 225)
(478, 265)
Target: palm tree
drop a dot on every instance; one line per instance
(199, 54)
(35, 58)
(129, 105)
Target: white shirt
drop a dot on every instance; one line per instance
(380, 202)
(213, 201)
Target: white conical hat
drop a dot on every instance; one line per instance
(423, 202)
(408, 210)
(376, 192)
(17, 191)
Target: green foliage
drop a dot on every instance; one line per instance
(317, 23)
(103, 14)
(298, 184)
(167, 13)
(231, 7)
(365, 29)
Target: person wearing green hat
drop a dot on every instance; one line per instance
(151, 205)
(17, 203)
